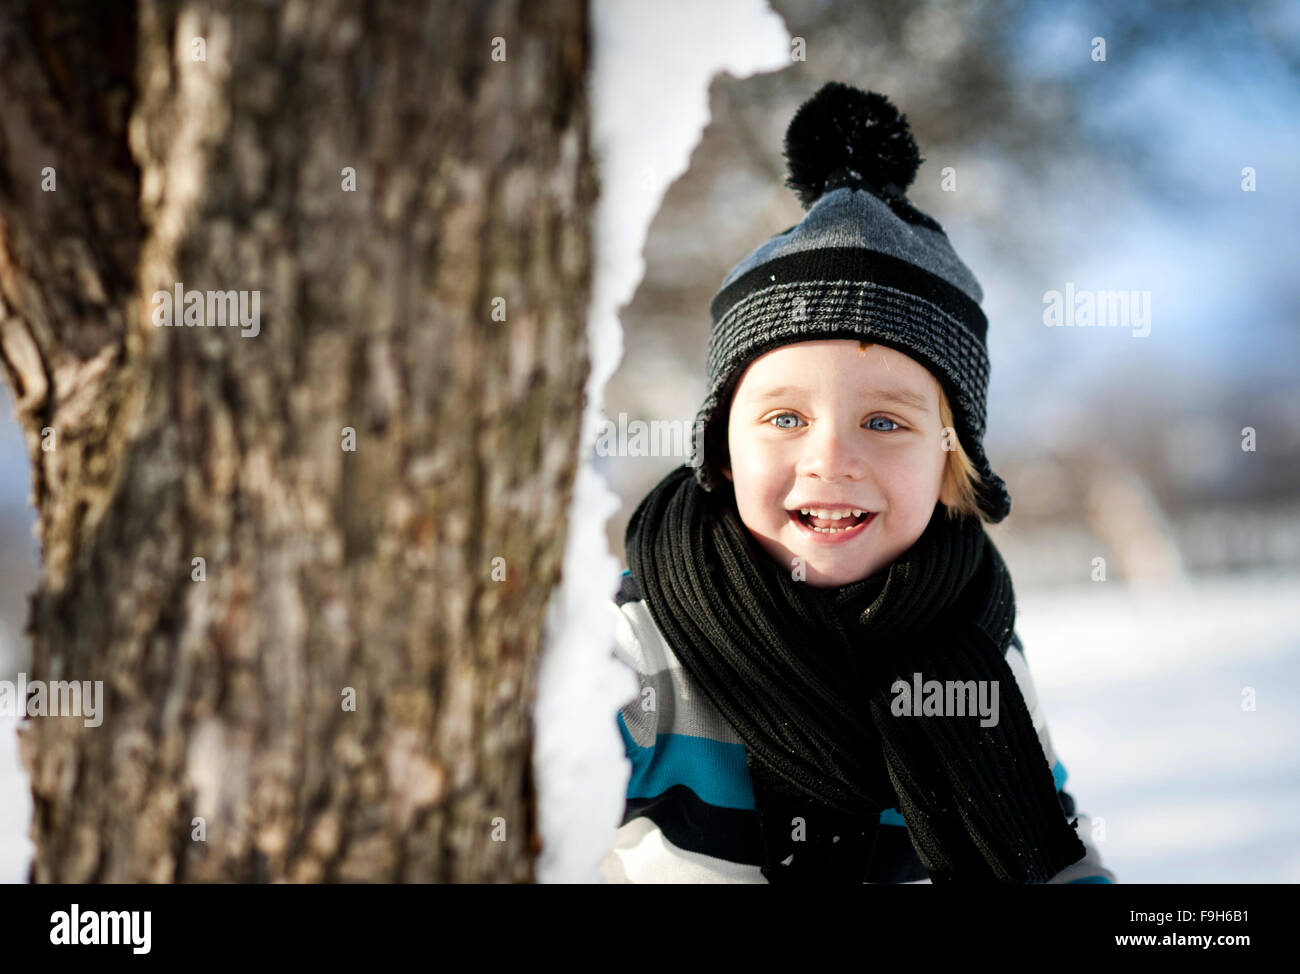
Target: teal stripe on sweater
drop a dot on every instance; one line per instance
(717, 771)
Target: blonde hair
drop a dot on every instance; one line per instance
(960, 478)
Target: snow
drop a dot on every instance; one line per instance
(652, 66)
(1143, 693)
(15, 807)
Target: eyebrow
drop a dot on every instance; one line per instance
(902, 397)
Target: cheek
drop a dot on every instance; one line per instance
(757, 478)
(757, 468)
(914, 482)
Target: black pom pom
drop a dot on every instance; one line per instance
(843, 136)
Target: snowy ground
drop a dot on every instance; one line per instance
(1144, 703)
(1143, 699)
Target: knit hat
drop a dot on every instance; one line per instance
(864, 263)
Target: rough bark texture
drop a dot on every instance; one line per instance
(325, 568)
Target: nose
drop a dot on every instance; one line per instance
(834, 452)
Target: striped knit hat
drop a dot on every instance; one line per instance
(864, 263)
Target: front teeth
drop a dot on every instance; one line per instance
(831, 515)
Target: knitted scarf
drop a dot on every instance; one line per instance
(806, 677)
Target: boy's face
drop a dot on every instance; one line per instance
(815, 425)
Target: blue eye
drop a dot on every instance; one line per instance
(783, 416)
(887, 420)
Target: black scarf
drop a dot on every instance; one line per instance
(804, 676)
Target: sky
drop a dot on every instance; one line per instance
(1176, 121)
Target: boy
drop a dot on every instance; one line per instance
(823, 558)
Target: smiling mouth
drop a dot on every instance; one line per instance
(831, 525)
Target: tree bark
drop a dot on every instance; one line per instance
(437, 310)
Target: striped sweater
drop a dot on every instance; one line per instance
(689, 815)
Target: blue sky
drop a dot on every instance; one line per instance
(1170, 125)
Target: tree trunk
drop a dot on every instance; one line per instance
(433, 303)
